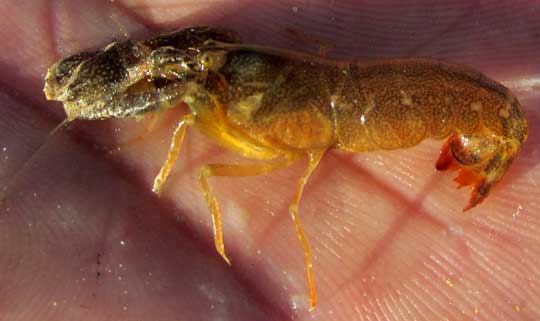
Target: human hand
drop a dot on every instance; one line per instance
(84, 237)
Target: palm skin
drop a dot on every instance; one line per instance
(84, 238)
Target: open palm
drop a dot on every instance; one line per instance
(82, 237)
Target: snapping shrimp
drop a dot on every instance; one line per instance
(279, 106)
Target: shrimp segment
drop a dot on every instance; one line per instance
(277, 106)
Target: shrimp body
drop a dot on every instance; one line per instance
(279, 106)
(295, 102)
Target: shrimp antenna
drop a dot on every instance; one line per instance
(13, 179)
(59, 126)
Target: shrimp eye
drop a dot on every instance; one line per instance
(212, 60)
(207, 61)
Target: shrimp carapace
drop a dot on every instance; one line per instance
(280, 106)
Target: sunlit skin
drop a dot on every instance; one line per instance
(389, 239)
(279, 106)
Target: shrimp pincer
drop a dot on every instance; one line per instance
(279, 106)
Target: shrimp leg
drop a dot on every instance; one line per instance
(313, 161)
(209, 170)
(174, 151)
(261, 169)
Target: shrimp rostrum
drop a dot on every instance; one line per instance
(279, 106)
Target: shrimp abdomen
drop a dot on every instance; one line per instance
(398, 103)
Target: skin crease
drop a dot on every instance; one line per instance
(83, 237)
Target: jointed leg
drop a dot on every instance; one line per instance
(233, 170)
(174, 151)
(314, 159)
